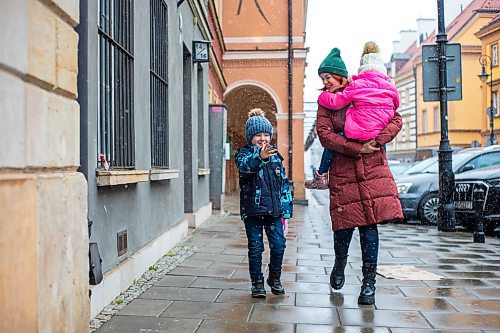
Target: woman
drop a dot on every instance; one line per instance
(362, 194)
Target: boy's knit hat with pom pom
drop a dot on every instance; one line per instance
(257, 123)
(371, 60)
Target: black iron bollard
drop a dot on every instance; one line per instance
(478, 235)
(479, 232)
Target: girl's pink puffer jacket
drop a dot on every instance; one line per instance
(374, 99)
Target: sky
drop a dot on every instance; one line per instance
(348, 24)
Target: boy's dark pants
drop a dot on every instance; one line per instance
(274, 230)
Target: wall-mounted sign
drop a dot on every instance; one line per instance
(201, 50)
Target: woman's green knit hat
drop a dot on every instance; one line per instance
(333, 64)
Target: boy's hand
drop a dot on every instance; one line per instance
(267, 151)
(369, 147)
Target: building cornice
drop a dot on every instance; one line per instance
(259, 40)
(284, 116)
(488, 30)
(264, 54)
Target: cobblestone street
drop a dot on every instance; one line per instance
(210, 291)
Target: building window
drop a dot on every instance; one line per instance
(116, 82)
(424, 121)
(436, 119)
(159, 83)
(407, 129)
(201, 119)
(403, 133)
(407, 96)
(494, 55)
(494, 97)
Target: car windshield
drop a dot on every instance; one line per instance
(398, 169)
(432, 165)
(417, 168)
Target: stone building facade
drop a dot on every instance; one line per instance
(43, 199)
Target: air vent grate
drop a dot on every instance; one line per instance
(122, 243)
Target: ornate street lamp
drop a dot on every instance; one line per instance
(483, 76)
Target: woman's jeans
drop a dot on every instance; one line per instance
(326, 160)
(368, 236)
(274, 231)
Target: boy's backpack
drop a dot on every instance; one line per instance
(286, 198)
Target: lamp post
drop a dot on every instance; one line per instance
(446, 208)
(483, 76)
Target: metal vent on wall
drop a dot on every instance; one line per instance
(122, 243)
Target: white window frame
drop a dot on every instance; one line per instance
(494, 55)
(408, 129)
(424, 121)
(494, 96)
(436, 119)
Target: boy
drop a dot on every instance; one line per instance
(265, 199)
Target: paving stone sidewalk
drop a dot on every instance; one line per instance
(210, 291)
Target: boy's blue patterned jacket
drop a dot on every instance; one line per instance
(265, 190)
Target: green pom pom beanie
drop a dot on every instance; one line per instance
(333, 64)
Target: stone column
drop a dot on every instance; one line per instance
(43, 199)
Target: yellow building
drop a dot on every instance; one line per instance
(490, 36)
(466, 117)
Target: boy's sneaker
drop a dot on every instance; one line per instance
(320, 182)
(258, 290)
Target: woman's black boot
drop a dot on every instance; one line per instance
(274, 282)
(367, 294)
(337, 276)
(258, 290)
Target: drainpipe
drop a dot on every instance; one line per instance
(82, 30)
(290, 91)
(416, 112)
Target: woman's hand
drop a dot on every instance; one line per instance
(267, 151)
(369, 147)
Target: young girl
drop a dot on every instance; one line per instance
(372, 96)
(265, 199)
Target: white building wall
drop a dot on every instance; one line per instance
(405, 143)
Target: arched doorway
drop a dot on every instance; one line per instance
(239, 99)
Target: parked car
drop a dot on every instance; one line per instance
(418, 187)
(477, 196)
(398, 168)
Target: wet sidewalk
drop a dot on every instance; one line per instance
(210, 291)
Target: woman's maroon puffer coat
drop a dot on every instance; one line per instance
(362, 188)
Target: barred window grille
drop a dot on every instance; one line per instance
(159, 84)
(201, 120)
(116, 82)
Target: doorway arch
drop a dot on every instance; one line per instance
(240, 98)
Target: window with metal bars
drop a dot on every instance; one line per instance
(159, 83)
(201, 120)
(116, 82)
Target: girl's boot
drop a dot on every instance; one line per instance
(337, 277)
(258, 290)
(367, 294)
(274, 282)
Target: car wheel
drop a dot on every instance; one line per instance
(428, 210)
